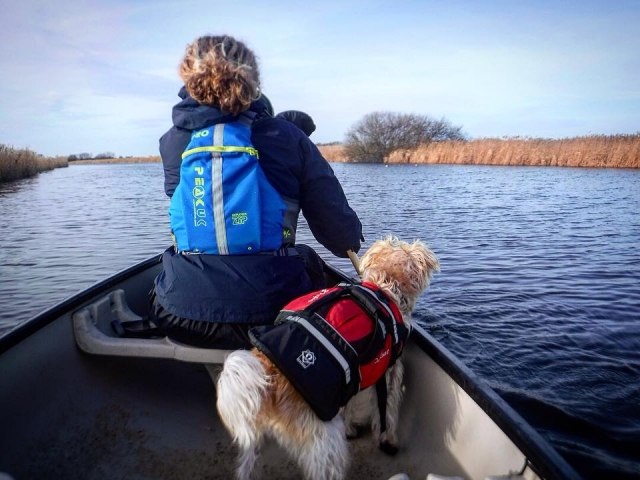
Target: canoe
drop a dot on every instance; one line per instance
(78, 402)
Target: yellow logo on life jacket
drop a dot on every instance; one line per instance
(198, 203)
(201, 133)
(239, 218)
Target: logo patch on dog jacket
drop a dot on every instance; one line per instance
(334, 342)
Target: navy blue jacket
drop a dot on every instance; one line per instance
(252, 289)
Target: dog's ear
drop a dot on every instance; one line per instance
(425, 259)
(423, 265)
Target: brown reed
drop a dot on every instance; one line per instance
(23, 163)
(333, 153)
(595, 151)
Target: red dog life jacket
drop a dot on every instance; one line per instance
(358, 326)
(334, 342)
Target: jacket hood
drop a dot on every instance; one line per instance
(300, 119)
(191, 115)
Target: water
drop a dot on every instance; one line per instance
(539, 292)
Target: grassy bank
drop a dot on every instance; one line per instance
(23, 163)
(613, 151)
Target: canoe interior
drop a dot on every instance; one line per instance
(66, 414)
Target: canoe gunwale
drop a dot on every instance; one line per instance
(541, 456)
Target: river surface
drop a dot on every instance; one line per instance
(539, 292)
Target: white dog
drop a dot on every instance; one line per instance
(255, 399)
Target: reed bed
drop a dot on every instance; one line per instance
(333, 153)
(23, 163)
(595, 151)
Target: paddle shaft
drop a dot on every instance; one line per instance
(355, 260)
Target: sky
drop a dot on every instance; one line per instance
(95, 76)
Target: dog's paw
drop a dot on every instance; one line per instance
(388, 448)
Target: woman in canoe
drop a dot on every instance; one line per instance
(238, 179)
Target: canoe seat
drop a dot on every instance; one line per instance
(94, 335)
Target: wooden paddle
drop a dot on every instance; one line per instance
(355, 260)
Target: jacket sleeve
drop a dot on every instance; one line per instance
(324, 205)
(172, 145)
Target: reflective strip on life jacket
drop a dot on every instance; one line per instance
(326, 343)
(221, 148)
(216, 190)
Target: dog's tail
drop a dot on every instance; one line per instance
(241, 388)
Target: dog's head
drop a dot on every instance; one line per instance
(402, 269)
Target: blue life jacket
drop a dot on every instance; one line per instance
(224, 204)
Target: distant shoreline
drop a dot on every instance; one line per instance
(597, 151)
(151, 159)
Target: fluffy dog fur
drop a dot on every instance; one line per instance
(255, 399)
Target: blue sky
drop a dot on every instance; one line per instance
(101, 75)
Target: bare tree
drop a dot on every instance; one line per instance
(378, 134)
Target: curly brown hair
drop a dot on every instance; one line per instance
(222, 72)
